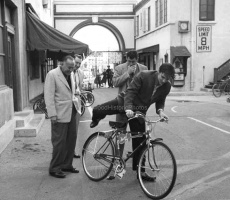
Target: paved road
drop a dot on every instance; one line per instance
(198, 134)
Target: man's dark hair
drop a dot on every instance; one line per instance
(132, 55)
(78, 56)
(65, 58)
(167, 69)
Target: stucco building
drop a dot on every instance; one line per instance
(191, 34)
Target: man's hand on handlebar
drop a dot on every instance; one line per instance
(129, 113)
(163, 116)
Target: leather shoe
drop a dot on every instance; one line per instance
(147, 177)
(72, 170)
(77, 156)
(59, 174)
(94, 123)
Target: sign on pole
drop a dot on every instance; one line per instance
(203, 38)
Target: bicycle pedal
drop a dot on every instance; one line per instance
(110, 177)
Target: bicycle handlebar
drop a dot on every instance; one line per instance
(139, 114)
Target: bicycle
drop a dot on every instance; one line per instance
(100, 156)
(221, 87)
(87, 97)
(40, 105)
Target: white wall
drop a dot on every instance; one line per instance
(67, 25)
(126, 27)
(45, 14)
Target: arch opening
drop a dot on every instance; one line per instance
(98, 38)
(105, 24)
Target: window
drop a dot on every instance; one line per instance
(156, 7)
(207, 10)
(165, 11)
(161, 12)
(137, 25)
(149, 17)
(34, 65)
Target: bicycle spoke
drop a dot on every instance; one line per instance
(96, 164)
(157, 161)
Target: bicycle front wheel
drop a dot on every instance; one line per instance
(216, 90)
(96, 164)
(158, 162)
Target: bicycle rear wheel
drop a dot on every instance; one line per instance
(89, 98)
(95, 165)
(216, 90)
(159, 163)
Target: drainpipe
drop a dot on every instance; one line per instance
(191, 45)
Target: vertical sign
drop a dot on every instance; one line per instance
(203, 38)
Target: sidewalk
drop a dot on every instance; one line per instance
(198, 96)
(24, 163)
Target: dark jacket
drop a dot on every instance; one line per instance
(138, 95)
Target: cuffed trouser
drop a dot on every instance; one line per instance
(63, 138)
(137, 125)
(107, 108)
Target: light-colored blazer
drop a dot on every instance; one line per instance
(121, 78)
(81, 77)
(59, 97)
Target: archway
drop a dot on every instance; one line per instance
(98, 38)
(105, 24)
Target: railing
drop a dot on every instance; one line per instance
(221, 71)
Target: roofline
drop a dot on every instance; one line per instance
(140, 5)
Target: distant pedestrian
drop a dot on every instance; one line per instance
(98, 79)
(60, 102)
(103, 81)
(108, 74)
(111, 78)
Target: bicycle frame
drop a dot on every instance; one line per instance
(114, 135)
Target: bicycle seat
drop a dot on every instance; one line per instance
(117, 124)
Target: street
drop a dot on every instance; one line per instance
(198, 134)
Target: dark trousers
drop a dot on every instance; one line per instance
(136, 125)
(107, 108)
(63, 138)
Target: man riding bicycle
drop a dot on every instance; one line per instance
(147, 87)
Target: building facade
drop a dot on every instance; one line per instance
(192, 35)
(17, 86)
(115, 15)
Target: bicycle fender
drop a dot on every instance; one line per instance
(156, 140)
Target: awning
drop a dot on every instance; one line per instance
(154, 48)
(179, 51)
(41, 36)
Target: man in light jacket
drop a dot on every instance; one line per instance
(62, 106)
(123, 75)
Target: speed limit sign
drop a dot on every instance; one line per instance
(203, 38)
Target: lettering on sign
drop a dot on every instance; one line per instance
(203, 38)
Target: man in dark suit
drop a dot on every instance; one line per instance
(147, 87)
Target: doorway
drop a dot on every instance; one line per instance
(11, 69)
